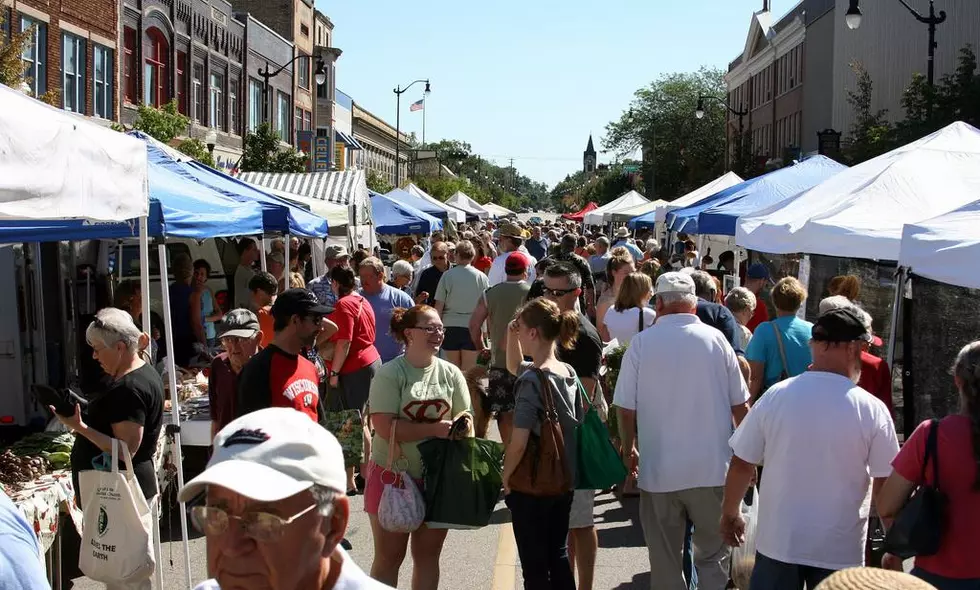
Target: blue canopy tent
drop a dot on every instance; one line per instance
(419, 203)
(393, 217)
(721, 218)
(776, 185)
(278, 214)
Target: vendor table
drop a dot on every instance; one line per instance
(195, 422)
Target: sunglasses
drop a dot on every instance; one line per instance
(559, 292)
(260, 526)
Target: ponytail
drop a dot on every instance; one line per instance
(402, 319)
(553, 325)
(567, 329)
(967, 369)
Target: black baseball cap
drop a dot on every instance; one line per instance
(840, 325)
(297, 302)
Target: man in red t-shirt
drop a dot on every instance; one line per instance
(756, 279)
(279, 375)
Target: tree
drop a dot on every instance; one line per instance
(871, 133)
(686, 152)
(265, 152)
(163, 124)
(377, 183)
(196, 149)
(12, 65)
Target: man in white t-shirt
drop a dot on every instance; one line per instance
(511, 240)
(822, 440)
(276, 508)
(681, 386)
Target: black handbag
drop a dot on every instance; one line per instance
(918, 528)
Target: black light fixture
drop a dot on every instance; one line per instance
(699, 111)
(211, 140)
(398, 123)
(853, 15)
(320, 75)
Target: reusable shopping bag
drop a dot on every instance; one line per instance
(402, 507)
(463, 479)
(599, 466)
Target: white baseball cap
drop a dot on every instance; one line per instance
(675, 282)
(270, 455)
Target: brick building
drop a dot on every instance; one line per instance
(378, 140)
(324, 52)
(268, 51)
(72, 51)
(190, 51)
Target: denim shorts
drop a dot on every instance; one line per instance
(457, 339)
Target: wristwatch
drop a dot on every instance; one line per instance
(333, 374)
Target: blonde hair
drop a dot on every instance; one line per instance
(633, 292)
(788, 294)
(296, 281)
(544, 316)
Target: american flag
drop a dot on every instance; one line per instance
(417, 106)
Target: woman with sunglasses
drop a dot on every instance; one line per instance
(425, 394)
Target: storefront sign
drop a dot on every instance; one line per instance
(304, 143)
(321, 155)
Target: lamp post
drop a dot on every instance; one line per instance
(398, 123)
(853, 18)
(740, 113)
(320, 75)
(211, 139)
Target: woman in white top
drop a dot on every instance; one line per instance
(629, 315)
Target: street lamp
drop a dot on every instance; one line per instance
(320, 75)
(398, 122)
(211, 139)
(740, 113)
(853, 15)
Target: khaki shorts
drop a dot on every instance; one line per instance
(582, 515)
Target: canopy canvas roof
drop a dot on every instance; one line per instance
(461, 200)
(625, 201)
(721, 183)
(396, 218)
(861, 212)
(417, 202)
(346, 188)
(945, 248)
(56, 165)
(452, 213)
(498, 211)
(580, 214)
(630, 213)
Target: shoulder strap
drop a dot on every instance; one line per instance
(932, 452)
(782, 350)
(640, 324)
(546, 396)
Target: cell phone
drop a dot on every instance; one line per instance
(458, 429)
(64, 405)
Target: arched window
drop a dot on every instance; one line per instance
(156, 88)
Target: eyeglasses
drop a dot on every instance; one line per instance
(431, 330)
(260, 526)
(559, 292)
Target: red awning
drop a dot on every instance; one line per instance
(580, 215)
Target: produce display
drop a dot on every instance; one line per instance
(33, 456)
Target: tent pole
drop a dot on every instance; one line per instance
(262, 246)
(119, 248)
(737, 263)
(900, 279)
(145, 275)
(175, 411)
(285, 254)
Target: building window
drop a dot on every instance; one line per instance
(197, 93)
(284, 113)
(298, 120)
(303, 72)
(307, 120)
(233, 125)
(6, 14)
(181, 75)
(217, 95)
(102, 82)
(34, 55)
(129, 65)
(304, 30)
(254, 104)
(157, 58)
(73, 73)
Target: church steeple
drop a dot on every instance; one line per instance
(589, 158)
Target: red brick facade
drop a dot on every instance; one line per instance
(94, 21)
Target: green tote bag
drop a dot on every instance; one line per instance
(599, 466)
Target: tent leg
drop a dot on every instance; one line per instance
(262, 245)
(175, 413)
(145, 274)
(737, 263)
(896, 311)
(285, 270)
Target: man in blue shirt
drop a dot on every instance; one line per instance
(383, 299)
(20, 554)
(537, 245)
(622, 239)
(714, 314)
(320, 286)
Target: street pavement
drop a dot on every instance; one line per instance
(484, 559)
(544, 216)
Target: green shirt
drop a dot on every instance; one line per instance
(437, 392)
(503, 301)
(460, 289)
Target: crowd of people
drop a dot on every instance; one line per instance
(722, 400)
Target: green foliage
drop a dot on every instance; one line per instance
(163, 124)
(871, 133)
(687, 152)
(265, 152)
(378, 183)
(12, 66)
(578, 189)
(196, 149)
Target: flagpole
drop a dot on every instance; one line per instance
(423, 119)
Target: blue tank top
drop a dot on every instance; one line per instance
(207, 308)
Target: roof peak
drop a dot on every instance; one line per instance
(589, 149)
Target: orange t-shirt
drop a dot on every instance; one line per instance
(266, 325)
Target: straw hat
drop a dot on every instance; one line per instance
(870, 578)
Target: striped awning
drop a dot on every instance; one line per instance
(348, 187)
(348, 140)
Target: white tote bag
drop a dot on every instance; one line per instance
(117, 540)
(402, 507)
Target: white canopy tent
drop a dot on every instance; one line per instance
(461, 200)
(455, 214)
(631, 212)
(497, 211)
(861, 211)
(729, 179)
(945, 248)
(625, 201)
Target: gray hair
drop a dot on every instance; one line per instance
(325, 499)
(566, 271)
(673, 298)
(740, 299)
(834, 302)
(465, 250)
(704, 285)
(402, 268)
(652, 244)
(375, 263)
(602, 241)
(113, 325)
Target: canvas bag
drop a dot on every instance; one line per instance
(117, 524)
(402, 506)
(543, 470)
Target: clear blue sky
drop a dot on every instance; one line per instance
(528, 79)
